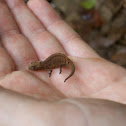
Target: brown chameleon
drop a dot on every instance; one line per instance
(53, 61)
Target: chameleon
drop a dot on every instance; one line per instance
(54, 61)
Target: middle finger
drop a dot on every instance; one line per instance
(43, 42)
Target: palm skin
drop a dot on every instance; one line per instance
(33, 32)
(28, 35)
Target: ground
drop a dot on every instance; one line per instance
(103, 27)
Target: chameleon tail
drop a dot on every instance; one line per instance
(73, 70)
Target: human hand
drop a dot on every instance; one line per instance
(35, 32)
(19, 110)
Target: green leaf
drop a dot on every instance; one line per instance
(88, 4)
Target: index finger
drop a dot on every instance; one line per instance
(68, 38)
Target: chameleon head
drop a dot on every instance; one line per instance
(34, 66)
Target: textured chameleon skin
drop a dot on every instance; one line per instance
(54, 61)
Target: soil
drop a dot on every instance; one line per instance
(102, 27)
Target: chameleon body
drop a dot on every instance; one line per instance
(54, 61)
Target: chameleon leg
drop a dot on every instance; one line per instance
(60, 70)
(50, 71)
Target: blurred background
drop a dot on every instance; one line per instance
(100, 23)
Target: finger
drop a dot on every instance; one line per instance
(28, 84)
(6, 63)
(43, 42)
(16, 45)
(68, 38)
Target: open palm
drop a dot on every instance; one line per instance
(33, 32)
